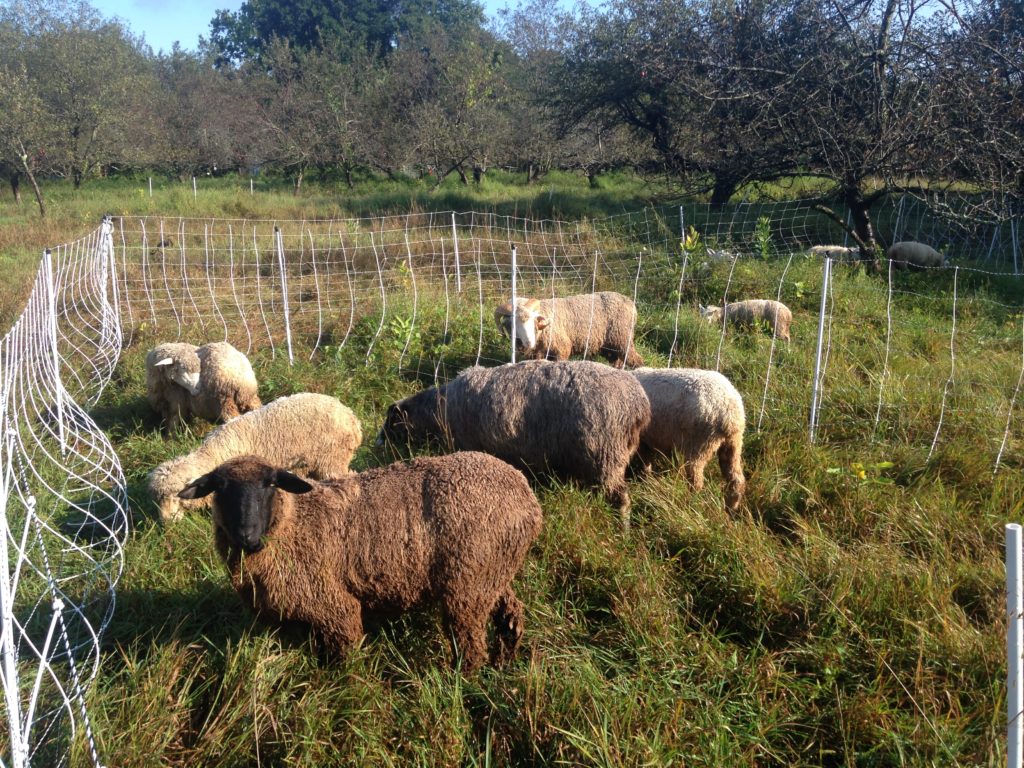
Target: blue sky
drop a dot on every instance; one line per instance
(162, 22)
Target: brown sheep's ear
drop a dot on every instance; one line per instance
(286, 481)
(542, 322)
(201, 486)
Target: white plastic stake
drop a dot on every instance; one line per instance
(195, 189)
(817, 360)
(458, 269)
(513, 303)
(51, 322)
(150, 186)
(1014, 639)
(251, 190)
(284, 293)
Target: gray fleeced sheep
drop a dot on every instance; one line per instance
(313, 434)
(698, 413)
(214, 381)
(910, 253)
(576, 419)
(448, 530)
(752, 313)
(587, 324)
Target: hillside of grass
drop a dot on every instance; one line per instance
(852, 614)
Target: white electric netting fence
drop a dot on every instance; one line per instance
(416, 294)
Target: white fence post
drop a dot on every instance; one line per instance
(458, 268)
(279, 242)
(51, 330)
(514, 304)
(815, 395)
(1014, 639)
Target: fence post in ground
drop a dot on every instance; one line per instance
(816, 393)
(195, 189)
(1014, 237)
(682, 225)
(150, 186)
(458, 268)
(513, 328)
(279, 241)
(51, 331)
(1014, 649)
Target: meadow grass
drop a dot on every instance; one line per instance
(851, 614)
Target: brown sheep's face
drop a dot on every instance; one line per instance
(528, 322)
(413, 420)
(243, 501)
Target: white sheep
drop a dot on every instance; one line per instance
(698, 413)
(215, 382)
(590, 323)
(752, 313)
(909, 253)
(311, 433)
(172, 375)
(842, 253)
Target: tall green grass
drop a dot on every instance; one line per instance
(850, 615)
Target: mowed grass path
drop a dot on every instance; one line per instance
(852, 615)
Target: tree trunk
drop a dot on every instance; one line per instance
(35, 186)
(478, 174)
(860, 217)
(530, 178)
(348, 177)
(298, 180)
(592, 177)
(723, 190)
(462, 175)
(15, 182)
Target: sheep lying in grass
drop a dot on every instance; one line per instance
(909, 253)
(753, 313)
(310, 433)
(698, 413)
(214, 381)
(577, 419)
(452, 530)
(587, 324)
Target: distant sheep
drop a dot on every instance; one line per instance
(753, 313)
(313, 434)
(214, 381)
(172, 375)
(577, 419)
(842, 253)
(452, 530)
(698, 413)
(590, 323)
(909, 253)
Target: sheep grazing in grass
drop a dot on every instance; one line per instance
(586, 324)
(697, 413)
(451, 530)
(227, 384)
(576, 419)
(214, 381)
(909, 253)
(753, 313)
(310, 433)
(842, 253)
(172, 375)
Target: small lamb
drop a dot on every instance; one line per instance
(752, 313)
(172, 375)
(586, 324)
(311, 433)
(841, 253)
(698, 413)
(452, 530)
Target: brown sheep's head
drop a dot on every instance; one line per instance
(244, 489)
(529, 322)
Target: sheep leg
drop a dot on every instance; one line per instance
(508, 626)
(617, 493)
(345, 625)
(467, 626)
(729, 459)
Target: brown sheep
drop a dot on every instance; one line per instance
(586, 324)
(452, 530)
(576, 419)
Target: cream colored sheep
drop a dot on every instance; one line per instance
(752, 313)
(587, 324)
(172, 374)
(311, 433)
(227, 385)
(698, 413)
